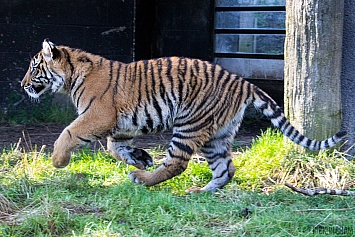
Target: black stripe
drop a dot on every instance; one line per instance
(277, 112)
(300, 139)
(97, 137)
(149, 120)
(295, 134)
(183, 147)
(206, 152)
(76, 90)
(125, 75)
(69, 133)
(205, 124)
(196, 93)
(206, 81)
(290, 131)
(248, 90)
(117, 77)
(50, 74)
(220, 75)
(180, 136)
(147, 88)
(88, 106)
(282, 122)
(67, 56)
(121, 138)
(158, 109)
(239, 97)
(182, 75)
(84, 59)
(78, 99)
(149, 68)
(110, 81)
(145, 130)
(163, 93)
(199, 118)
(197, 66)
(201, 111)
(225, 82)
(168, 74)
(309, 141)
(318, 145)
(212, 159)
(222, 174)
(73, 84)
(161, 85)
(83, 139)
(177, 157)
(134, 117)
(181, 117)
(333, 140)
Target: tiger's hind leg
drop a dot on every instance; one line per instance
(217, 151)
(218, 154)
(180, 149)
(120, 149)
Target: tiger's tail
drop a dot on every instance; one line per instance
(269, 108)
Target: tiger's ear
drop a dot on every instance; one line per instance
(50, 52)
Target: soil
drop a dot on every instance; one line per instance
(30, 137)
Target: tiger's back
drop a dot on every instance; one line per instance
(202, 103)
(171, 91)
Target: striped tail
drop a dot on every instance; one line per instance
(269, 108)
(292, 133)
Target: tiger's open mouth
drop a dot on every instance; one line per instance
(38, 89)
(34, 91)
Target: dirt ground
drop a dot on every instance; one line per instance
(34, 136)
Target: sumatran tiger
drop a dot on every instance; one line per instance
(200, 101)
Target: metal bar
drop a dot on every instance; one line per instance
(249, 55)
(251, 31)
(251, 8)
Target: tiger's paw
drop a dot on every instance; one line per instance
(139, 158)
(140, 177)
(60, 158)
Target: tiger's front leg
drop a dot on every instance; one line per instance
(121, 149)
(80, 132)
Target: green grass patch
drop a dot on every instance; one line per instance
(34, 112)
(94, 197)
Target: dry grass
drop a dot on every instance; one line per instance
(8, 210)
(325, 170)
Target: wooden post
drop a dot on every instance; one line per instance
(313, 49)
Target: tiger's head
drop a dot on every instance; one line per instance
(46, 71)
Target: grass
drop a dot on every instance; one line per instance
(34, 112)
(94, 197)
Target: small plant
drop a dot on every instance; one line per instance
(257, 163)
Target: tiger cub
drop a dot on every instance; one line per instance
(201, 102)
